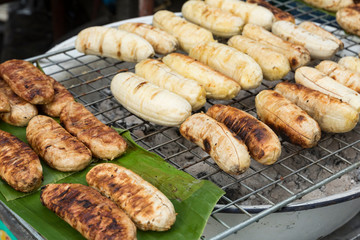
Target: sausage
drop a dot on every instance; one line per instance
(263, 144)
(85, 209)
(61, 97)
(103, 141)
(229, 153)
(56, 146)
(4, 103)
(147, 207)
(27, 81)
(332, 114)
(286, 118)
(21, 111)
(20, 167)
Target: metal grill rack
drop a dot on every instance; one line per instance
(88, 79)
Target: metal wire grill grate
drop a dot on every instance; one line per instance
(294, 175)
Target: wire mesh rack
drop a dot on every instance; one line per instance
(294, 175)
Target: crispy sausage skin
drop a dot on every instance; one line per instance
(19, 165)
(149, 208)
(85, 209)
(263, 144)
(103, 141)
(27, 81)
(229, 153)
(21, 111)
(4, 103)
(287, 119)
(56, 146)
(61, 97)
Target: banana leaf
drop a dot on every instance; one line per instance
(193, 199)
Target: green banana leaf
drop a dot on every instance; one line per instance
(193, 199)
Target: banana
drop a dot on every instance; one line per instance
(250, 13)
(161, 41)
(220, 23)
(278, 13)
(286, 118)
(148, 101)
(352, 63)
(319, 48)
(274, 65)
(297, 55)
(314, 79)
(315, 29)
(331, 113)
(340, 74)
(161, 75)
(229, 153)
(229, 61)
(216, 84)
(113, 43)
(330, 5)
(349, 18)
(188, 34)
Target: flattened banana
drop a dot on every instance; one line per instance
(216, 84)
(220, 23)
(331, 113)
(286, 118)
(229, 61)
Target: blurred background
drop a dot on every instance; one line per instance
(31, 27)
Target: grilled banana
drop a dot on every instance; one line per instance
(263, 144)
(331, 113)
(147, 207)
(287, 119)
(148, 101)
(220, 23)
(161, 75)
(229, 61)
(4, 103)
(330, 5)
(113, 43)
(161, 41)
(278, 13)
(188, 34)
(274, 65)
(340, 74)
(314, 79)
(318, 47)
(250, 13)
(229, 152)
(352, 63)
(297, 55)
(315, 29)
(216, 84)
(349, 18)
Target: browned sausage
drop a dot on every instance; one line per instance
(263, 144)
(27, 81)
(85, 209)
(103, 141)
(56, 146)
(19, 165)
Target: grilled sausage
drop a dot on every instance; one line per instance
(286, 118)
(229, 153)
(56, 146)
(21, 111)
(61, 97)
(279, 14)
(263, 144)
(85, 209)
(147, 207)
(103, 141)
(19, 165)
(161, 41)
(331, 114)
(340, 74)
(4, 103)
(27, 81)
